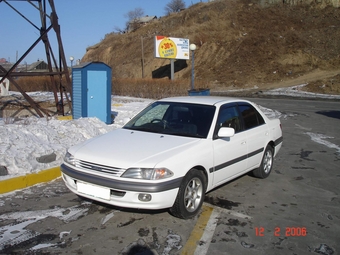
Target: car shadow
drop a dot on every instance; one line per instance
(222, 202)
(231, 181)
(331, 114)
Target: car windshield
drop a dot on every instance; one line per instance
(173, 118)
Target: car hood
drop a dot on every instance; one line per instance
(125, 148)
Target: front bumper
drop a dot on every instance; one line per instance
(124, 193)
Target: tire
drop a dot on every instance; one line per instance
(266, 164)
(190, 195)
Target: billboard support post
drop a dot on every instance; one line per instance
(172, 64)
(192, 48)
(142, 57)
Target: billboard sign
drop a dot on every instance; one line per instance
(171, 48)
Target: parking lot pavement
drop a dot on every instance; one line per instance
(294, 211)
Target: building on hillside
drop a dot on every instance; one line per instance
(3, 61)
(139, 22)
(40, 65)
(6, 65)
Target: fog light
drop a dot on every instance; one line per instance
(144, 197)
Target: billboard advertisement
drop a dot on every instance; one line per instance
(171, 48)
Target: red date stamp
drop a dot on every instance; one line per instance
(288, 231)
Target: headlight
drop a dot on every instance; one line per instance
(148, 173)
(69, 158)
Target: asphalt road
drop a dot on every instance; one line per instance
(294, 211)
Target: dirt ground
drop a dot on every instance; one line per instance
(318, 81)
(240, 44)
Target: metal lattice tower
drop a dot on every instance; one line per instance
(57, 71)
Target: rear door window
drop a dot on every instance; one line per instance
(251, 117)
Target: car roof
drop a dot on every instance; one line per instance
(208, 100)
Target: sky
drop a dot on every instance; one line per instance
(83, 23)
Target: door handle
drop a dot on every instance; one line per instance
(243, 142)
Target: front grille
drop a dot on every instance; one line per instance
(117, 172)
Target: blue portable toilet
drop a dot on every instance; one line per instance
(91, 91)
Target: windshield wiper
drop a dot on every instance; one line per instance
(183, 134)
(143, 129)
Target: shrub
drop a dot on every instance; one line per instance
(151, 88)
(144, 88)
(35, 83)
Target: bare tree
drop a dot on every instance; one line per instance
(174, 6)
(120, 30)
(133, 18)
(135, 14)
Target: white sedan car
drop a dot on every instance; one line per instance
(173, 152)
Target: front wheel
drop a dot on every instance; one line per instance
(190, 195)
(266, 164)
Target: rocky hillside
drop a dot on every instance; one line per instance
(240, 44)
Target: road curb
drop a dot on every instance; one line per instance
(28, 180)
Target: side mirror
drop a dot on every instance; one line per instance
(226, 132)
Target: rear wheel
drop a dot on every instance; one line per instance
(266, 164)
(190, 195)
